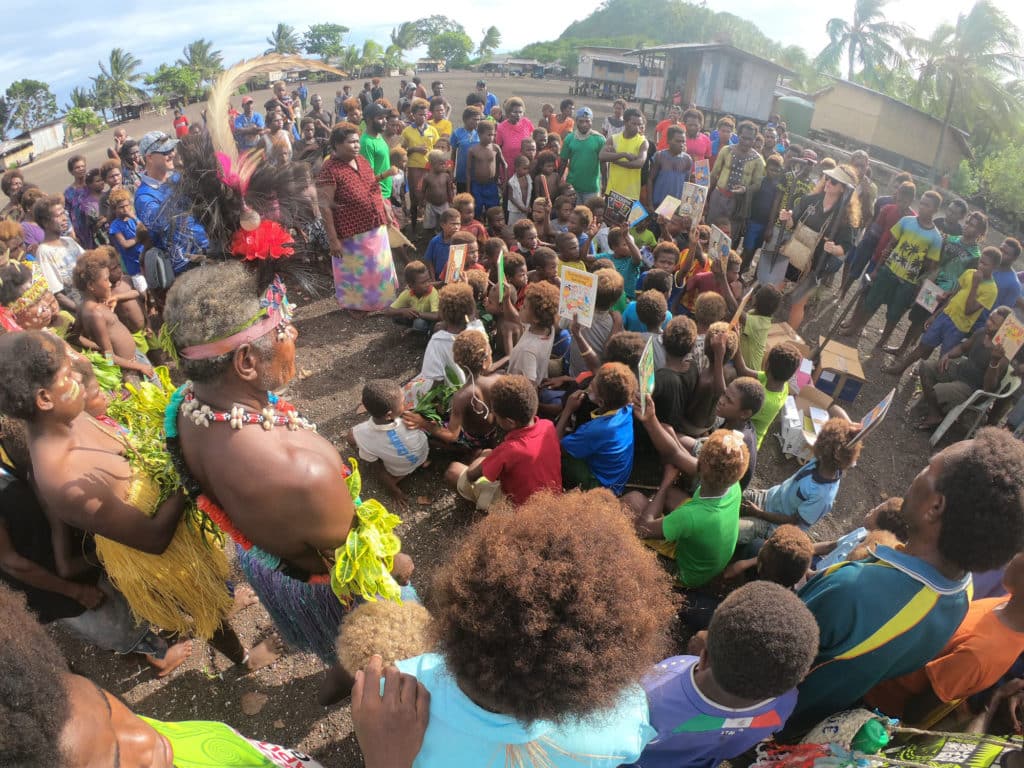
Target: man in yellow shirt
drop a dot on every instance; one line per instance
(625, 154)
(417, 140)
(976, 292)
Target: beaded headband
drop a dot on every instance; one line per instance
(31, 296)
(275, 311)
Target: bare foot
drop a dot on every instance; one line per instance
(244, 597)
(174, 658)
(264, 654)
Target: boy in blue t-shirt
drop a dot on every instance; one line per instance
(600, 452)
(124, 231)
(436, 256)
(806, 496)
(626, 257)
(720, 703)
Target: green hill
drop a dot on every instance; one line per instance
(632, 23)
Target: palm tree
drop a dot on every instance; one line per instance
(350, 60)
(80, 98)
(924, 53)
(115, 83)
(200, 57)
(490, 42)
(975, 67)
(372, 54)
(868, 40)
(404, 36)
(284, 39)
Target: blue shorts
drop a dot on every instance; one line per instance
(943, 333)
(485, 195)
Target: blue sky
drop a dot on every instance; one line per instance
(61, 43)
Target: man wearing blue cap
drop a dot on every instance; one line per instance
(581, 150)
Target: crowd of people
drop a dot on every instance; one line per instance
(630, 593)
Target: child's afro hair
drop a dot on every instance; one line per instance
(723, 460)
(762, 641)
(414, 270)
(471, 350)
(888, 516)
(832, 449)
(658, 280)
(751, 393)
(478, 281)
(609, 288)
(783, 360)
(785, 556)
(615, 384)
(874, 539)
(732, 339)
(651, 308)
(89, 267)
(624, 347)
(456, 303)
(521, 227)
(393, 631)
(543, 300)
(514, 397)
(766, 301)
(709, 308)
(679, 336)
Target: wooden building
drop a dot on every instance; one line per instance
(606, 73)
(718, 78)
(893, 131)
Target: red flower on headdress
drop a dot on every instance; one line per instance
(268, 241)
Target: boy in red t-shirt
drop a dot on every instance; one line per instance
(527, 460)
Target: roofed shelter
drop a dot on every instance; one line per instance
(718, 78)
(896, 132)
(606, 72)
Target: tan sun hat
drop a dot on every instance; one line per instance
(841, 175)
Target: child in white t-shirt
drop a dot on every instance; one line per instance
(385, 438)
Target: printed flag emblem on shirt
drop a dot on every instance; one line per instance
(704, 723)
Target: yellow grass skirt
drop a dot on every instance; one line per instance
(182, 590)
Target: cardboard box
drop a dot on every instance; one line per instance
(777, 333)
(839, 373)
(802, 417)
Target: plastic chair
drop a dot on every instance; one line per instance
(979, 403)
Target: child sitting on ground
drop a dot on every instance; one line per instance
(506, 310)
(741, 400)
(438, 189)
(540, 215)
(728, 286)
(525, 233)
(546, 267)
(457, 310)
(654, 280)
(470, 425)
(492, 249)
(710, 308)
(600, 452)
(386, 438)
(581, 224)
(100, 324)
(436, 256)
(676, 382)
(525, 461)
(417, 305)
(568, 250)
(650, 312)
(605, 322)
(721, 345)
(494, 219)
(886, 516)
(463, 203)
(665, 257)
(740, 689)
(472, 261)
(626, 257)
(532, 352)
(807, 495)
(757, 322)
(699, 532)
(782, 362)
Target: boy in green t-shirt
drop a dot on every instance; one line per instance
(783, 361)
(417, 305)
(757, 322)
(699, 532)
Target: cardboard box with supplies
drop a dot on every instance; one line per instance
(802, 418)
(839, 373)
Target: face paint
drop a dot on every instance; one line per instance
(72, 391)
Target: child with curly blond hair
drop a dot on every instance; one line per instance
(531, 353)
(699, 532)
(806, 496)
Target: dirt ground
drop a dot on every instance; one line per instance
(336, 354)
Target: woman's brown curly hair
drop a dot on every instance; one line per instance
(832, 449)
(723, 459)
(544, 616)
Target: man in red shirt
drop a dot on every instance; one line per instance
(527, 460)
(661, 130)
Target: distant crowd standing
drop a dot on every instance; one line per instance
(611, 453)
